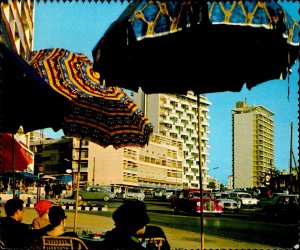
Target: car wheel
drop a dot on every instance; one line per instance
(193, 211)
(106, 198)
(176, 209)
(239, 203)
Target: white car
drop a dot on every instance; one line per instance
(168, 193)
(227, 203)
(246, 199)
(134, 194)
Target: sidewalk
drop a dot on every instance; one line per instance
(178, 239)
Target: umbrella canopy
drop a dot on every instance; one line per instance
(18, 160)
(20, 175)
(21, 91)
(204, 46)
(49, 177)
(175, 46)
(104, 115)
(66, 178)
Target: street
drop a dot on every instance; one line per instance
(245, 230)
(245, 226)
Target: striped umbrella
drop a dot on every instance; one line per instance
(104, 115)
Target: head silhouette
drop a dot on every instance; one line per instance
(131, 216)
(56, 215)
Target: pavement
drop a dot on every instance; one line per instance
(178, 239)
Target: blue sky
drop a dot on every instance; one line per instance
(78, 26)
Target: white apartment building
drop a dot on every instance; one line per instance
(252, 144)
(176, 116)
(159, 164)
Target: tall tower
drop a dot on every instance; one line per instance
(176, 116)
(252, 145)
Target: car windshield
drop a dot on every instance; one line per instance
(245, 196)
(225, 196)
(197, 195)
(134, 191)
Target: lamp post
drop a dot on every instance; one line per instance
(213, 168)
(38, 197)
(70, 171)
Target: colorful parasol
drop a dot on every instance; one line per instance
(204, 46)
(104, 115)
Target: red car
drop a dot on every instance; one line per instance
(188, 200)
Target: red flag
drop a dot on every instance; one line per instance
(22, 158)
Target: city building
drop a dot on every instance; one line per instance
(252, 145)
(176, 116)
(159, 164)
(213, 183)
(17, 26)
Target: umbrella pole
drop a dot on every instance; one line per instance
(13, 164)
(200, 170)
(77, 186)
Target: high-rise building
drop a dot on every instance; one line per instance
(176, 116)
(252, 145)
(17, 26)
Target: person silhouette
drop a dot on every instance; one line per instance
(130, 230)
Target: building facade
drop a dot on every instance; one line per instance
(176, 116)
(17, 26)
(252, 145)
(159, 164)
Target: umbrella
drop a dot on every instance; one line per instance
(28, 175)
(21, 90)
(204, 46)
(104, 115)
(66, 178)
(48, 177)
(18, 160)
(20, 175)
(175, 46)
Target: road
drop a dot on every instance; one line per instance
(246, 226)
(245, 230)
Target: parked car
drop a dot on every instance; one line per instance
(95, 193)
(149, 193)
(245, 199)
(284, 205)
(272, 196)
(158, 193)
(228, 204)
(134, 194)
(168, 193)
(189, 201)
(173, 197)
